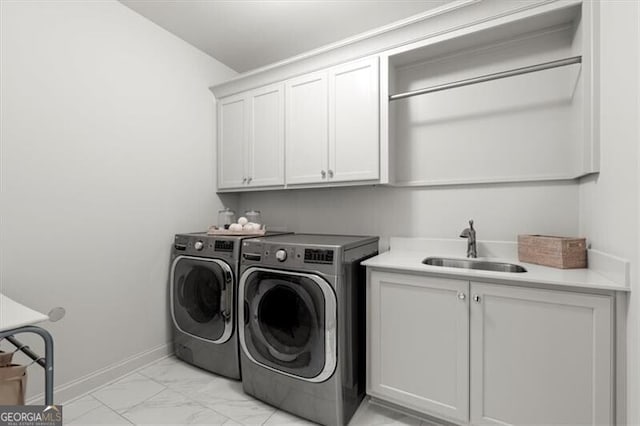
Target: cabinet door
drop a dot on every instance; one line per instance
(232, 141)
(418, 343)
(540, 357)
(266, 137)
(354, 135)
(307, 129)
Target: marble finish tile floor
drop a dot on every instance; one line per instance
(171, 392)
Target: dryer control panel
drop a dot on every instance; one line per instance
(318, 256)
(286, 256)
(269, 254)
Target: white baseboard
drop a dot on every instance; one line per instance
(426, 420)
(90, 382)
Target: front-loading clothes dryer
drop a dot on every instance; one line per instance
(203, 299)
(302, 331)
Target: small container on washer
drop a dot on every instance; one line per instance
(253, 216)
(225, 218)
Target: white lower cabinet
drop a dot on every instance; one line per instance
(540, 356)
(418, 338)
(478, 353)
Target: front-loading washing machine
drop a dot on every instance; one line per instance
(302, 331)
(203, 297)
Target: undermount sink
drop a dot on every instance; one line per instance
(484, 265)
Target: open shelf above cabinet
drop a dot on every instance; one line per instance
(506, 100)
(488, 77)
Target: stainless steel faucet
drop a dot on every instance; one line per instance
(470, 234)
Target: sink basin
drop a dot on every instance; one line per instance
(473, 264)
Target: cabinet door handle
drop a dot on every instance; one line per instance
(330, 173)
(244, 180)
(476, 298)
(462, 296)
(323, 174)
(249, 180)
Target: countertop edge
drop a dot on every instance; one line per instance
(593, 280)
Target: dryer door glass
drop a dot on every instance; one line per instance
(287, 319)
(200, 289)
(286, 322)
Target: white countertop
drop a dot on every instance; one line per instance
(407, 255)
(14, 314)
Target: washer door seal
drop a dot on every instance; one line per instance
(201, 292)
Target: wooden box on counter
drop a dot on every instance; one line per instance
(557, 252)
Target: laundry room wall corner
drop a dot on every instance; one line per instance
(108, 151)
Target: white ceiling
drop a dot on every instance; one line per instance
(248, 34)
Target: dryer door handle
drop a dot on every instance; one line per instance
(246, 312)
(227, 296)
(180, 291)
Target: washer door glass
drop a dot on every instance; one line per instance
(285, 322)
(200, 291)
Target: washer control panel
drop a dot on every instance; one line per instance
(223, 246)
(204, 246)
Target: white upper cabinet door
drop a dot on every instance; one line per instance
(418, 343)
(540, 357)
(307, 129)
(232, 140)
(354, 140)
(266, 137)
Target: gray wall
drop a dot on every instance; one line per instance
(107, 151)
(609, 209)
(500, 212)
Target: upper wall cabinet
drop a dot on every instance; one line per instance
(232, 141)
(354, 139)
(251, 139)
(332, 125)
(475, 91)
(307, 134)
(331, 133)
(505, 100)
